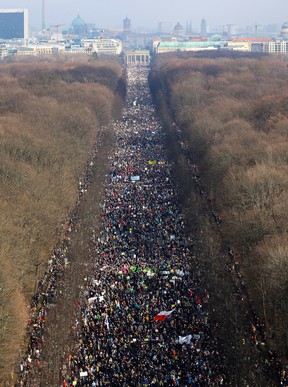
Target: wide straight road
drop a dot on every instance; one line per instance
(144, 317)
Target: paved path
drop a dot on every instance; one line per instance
(144, 319)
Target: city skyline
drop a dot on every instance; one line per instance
(148, 14)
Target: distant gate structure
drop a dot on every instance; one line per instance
(138, 57)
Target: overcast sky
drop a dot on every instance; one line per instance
(148, 13)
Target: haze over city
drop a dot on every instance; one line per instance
(148, 13)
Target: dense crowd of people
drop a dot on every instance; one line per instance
(144, 314)
(145, 319)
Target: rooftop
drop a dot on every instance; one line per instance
(78, 21)
(251, 40)
(191, 44)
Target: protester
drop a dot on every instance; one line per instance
(144, 316)
(145, 320)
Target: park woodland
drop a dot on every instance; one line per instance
(144, 221)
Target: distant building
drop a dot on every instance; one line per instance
(25, 51)
(79, 26)
(39, 50)
(165, 28)
(284, 31)
(271, 29)
(231, 29)
(139, 41)
(203, 28)
(104, 46)
(137, 56)
(3, 52)
(164, 47)
(246, 44)
(127, 26)
(14, 24)
(189, 28)
(178, 30)
(197, 38)
(77, 49)
(271, 47)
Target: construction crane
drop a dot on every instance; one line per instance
(57, 29)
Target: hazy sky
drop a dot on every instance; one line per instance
(148, 13)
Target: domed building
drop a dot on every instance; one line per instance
(284, 31)
(79, 26)
(178, 30)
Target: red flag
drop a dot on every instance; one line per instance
(163, 315)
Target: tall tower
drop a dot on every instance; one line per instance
(188, 27)
(126, 26)
(43, 15)
(203, 28)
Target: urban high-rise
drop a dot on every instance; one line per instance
(14, 24)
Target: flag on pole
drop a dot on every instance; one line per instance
(163, 315)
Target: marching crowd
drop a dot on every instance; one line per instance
(50, 286)
(144, 318)
(144, 315)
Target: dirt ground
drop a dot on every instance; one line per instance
(62, 316)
